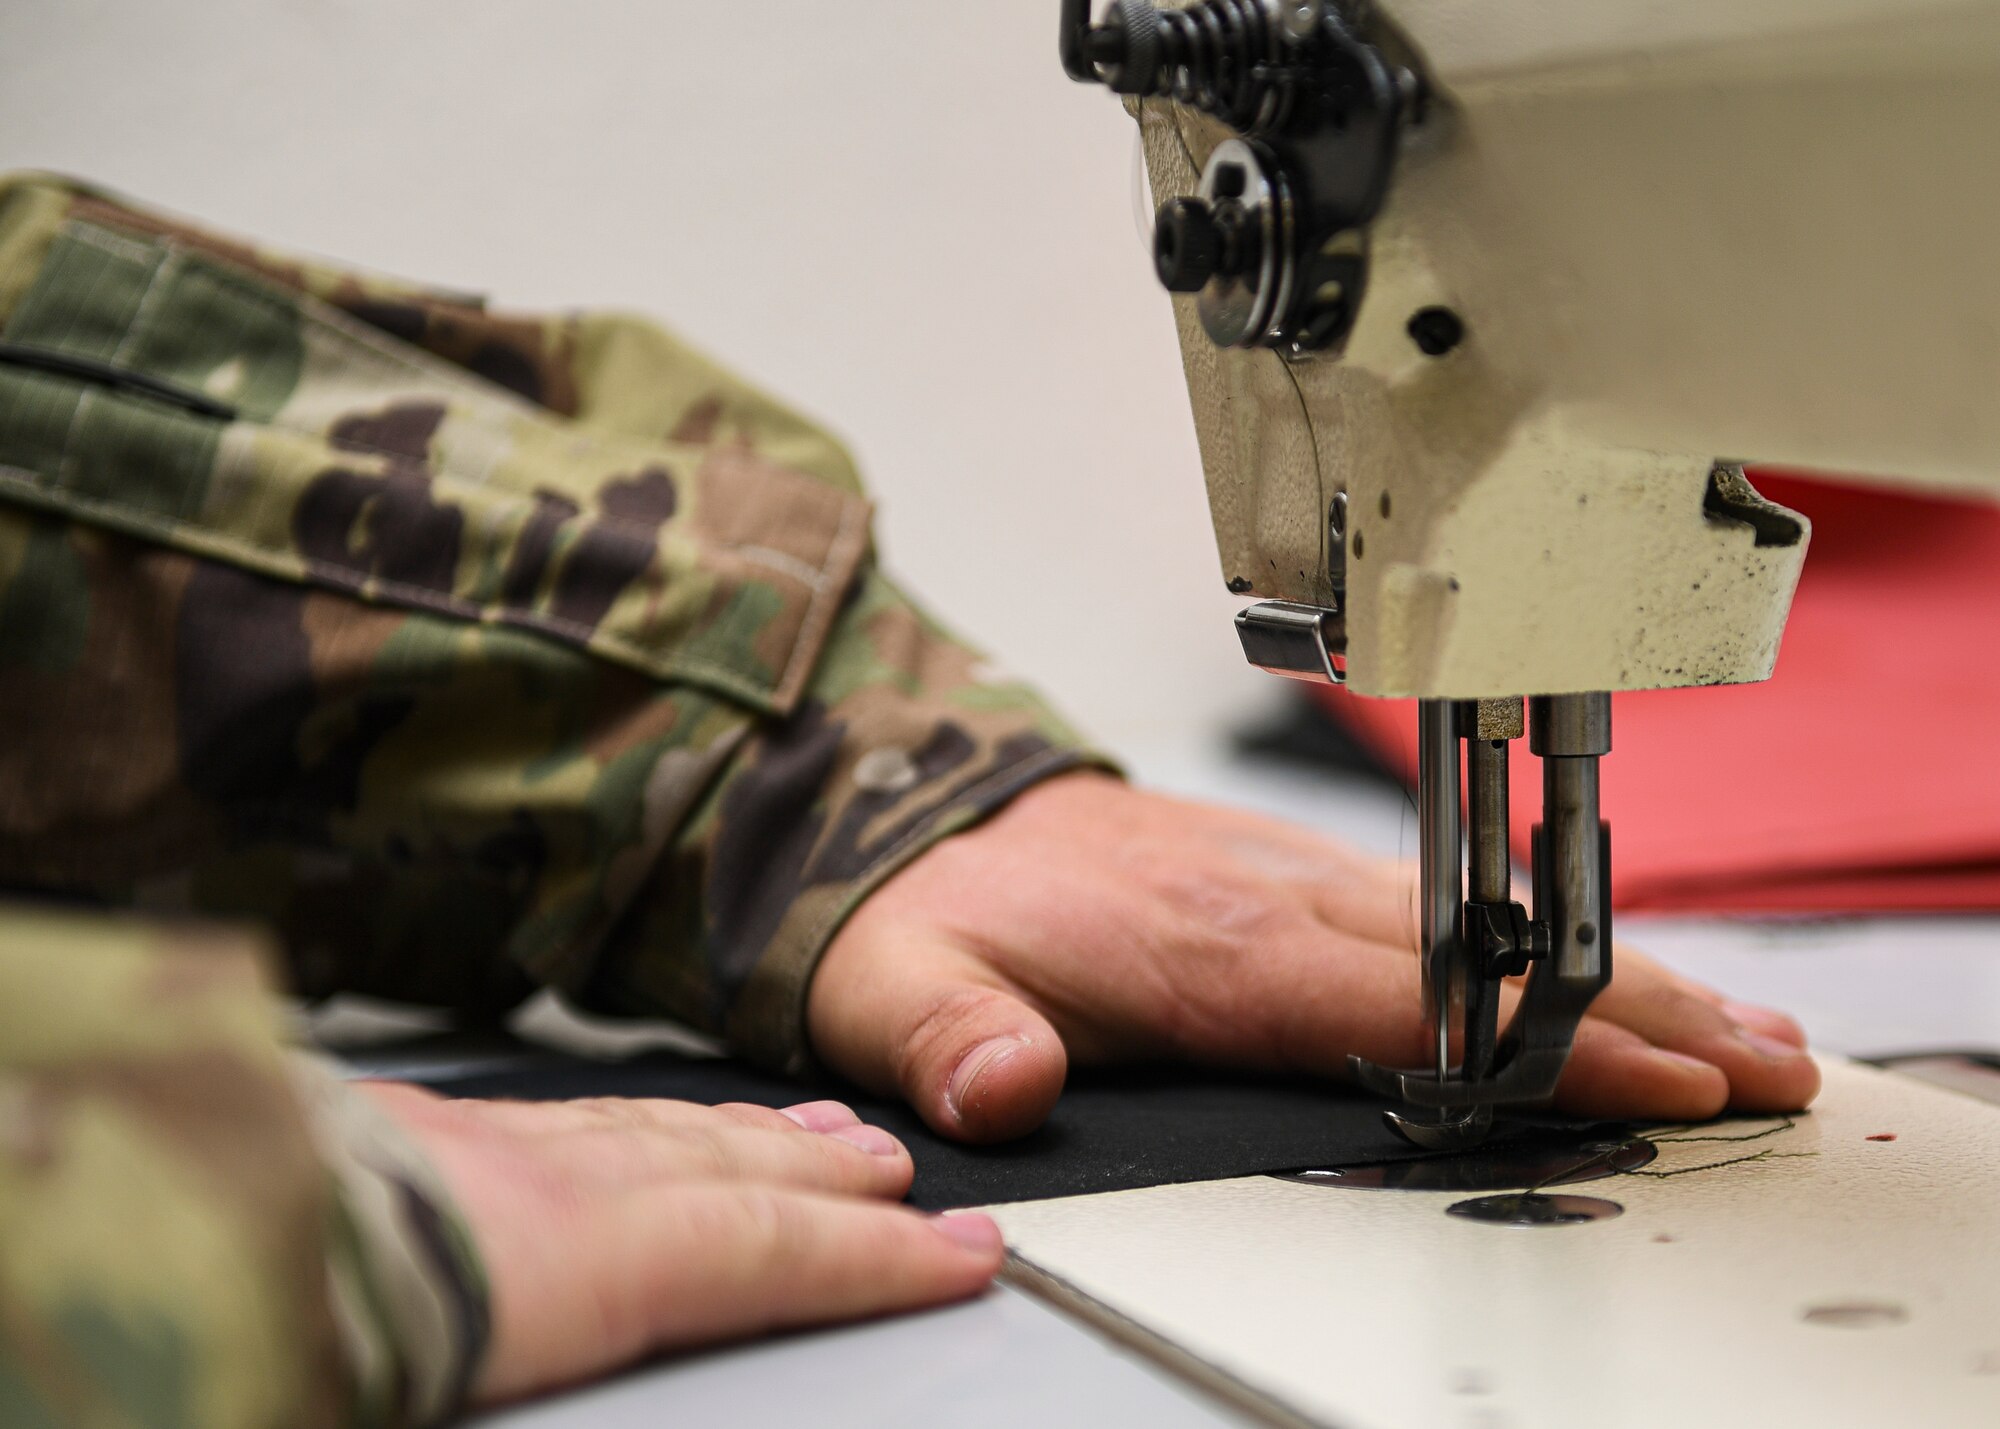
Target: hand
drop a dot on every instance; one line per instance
(1093, 921)
(611, 1229)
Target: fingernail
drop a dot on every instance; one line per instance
(1762, 1019)
(974, 1064)
(871, 1139)
(1770, 1047)
(821, 1116)
(971, 1230)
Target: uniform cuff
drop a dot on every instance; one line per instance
(408, 1292)
(768, 1021)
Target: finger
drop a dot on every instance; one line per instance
(1343, 997)
(1638, 974)
(782, 1260)
(1368, 897)
(637, 1113)
(1613, 1072)
(1764, 1072)
(1780, 1026)
(1376, 899)
(851, 1161)
(821, 1116)
(921, 1019)
(1654, 1046)
(676, 1267)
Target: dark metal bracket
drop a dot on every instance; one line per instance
(1275, 241)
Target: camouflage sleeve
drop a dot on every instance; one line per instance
(173, 1250)
(471, 652)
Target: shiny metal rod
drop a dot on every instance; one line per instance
(1489, 874)
(1486, 820)
(1441, 870)
(1569, 818)
(1571, 732)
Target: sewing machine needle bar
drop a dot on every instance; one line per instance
(1571, 732)
(1489, 874)
(1486, 810)
(1569, 802)
(1442, 870)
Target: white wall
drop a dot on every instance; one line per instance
(898, 213)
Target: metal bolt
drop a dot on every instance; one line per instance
(1187, 245)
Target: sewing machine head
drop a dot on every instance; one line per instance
(1470, 298)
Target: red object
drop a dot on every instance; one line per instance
(1865, 775)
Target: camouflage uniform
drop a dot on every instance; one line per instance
(196, 1230)
(471, 653)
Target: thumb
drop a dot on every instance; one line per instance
(925, 1019)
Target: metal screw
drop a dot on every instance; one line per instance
(1336, 520)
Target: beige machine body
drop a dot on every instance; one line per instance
(1675, 235)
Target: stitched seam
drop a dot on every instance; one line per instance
(117, 244)
(804, 640)
(205, 540)
(315, 312)
(66, 455)
(311, 311)
(172, 532)
(818, 617)
(148, 299)
(787, 564)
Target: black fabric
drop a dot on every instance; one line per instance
(1111, 1131)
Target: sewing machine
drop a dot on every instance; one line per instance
(1477, 303)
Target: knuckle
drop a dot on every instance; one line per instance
(882, 1240)
(777, 1228)
(941, 1026)
(708, 1151)
(842, 1166)
(1221, 905)
(759, 1118)
(1662, 1007)
(749, 1112)
(610, 1111)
